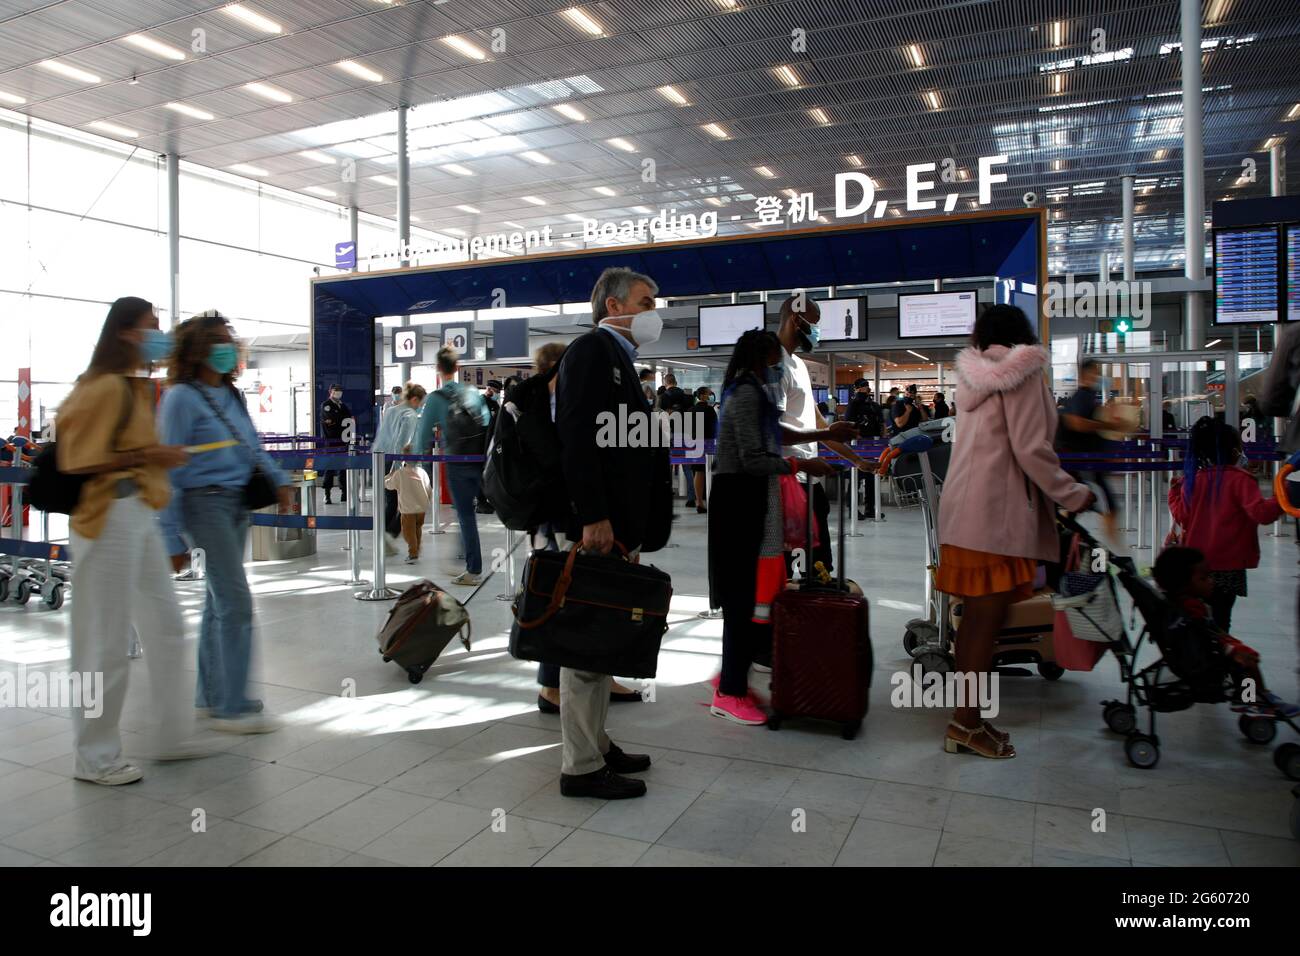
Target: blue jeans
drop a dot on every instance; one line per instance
(217, 521)
(465, 479)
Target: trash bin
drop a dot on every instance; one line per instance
(278, 544)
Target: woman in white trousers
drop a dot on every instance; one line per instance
(121, 577)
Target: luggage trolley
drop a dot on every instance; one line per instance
(1026, 637)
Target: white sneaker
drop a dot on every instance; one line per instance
(116, 777)
(247, 724)
(411, 559)
(390, 549)
(185, 750)
(466, 578)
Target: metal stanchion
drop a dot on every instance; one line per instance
(1276, 531)
(880, 514)
(354, 543)
(853, 531)
(352, 476)
(1142, 509)
(435, 502)
(1128, 501)
(708, 478)
(509, 593)
(1157, 482)
(379, 592)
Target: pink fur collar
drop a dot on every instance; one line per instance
(998, 368)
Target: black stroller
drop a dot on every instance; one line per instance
(1158, 686)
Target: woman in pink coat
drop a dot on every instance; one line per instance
(996, 518)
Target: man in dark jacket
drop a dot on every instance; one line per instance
(333, 413)
(617, 492)
(863, 410)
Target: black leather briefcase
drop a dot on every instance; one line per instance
(591, 613)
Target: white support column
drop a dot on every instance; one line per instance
(354, 234)
(174, 234)
(1277, 170)
(403, 211)
(1126, 186)
(1193, 174)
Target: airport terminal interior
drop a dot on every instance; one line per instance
(360, 187)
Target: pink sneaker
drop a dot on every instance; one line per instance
(740, 710)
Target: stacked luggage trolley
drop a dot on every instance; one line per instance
(1027, 636)
(34, 568)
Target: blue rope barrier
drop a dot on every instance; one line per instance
(35, 549)
(312, 522)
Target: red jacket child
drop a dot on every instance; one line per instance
(1222, 519)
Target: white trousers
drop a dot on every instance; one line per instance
(119, 580)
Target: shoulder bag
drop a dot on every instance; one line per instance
(259, 491)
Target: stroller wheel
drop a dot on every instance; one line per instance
(4, 587)
(919, 634)
(1050, 670)
(414, 675)
(1121, 718)
(1142, 751)
(23, 593)
(1258, 730)
(1287, 759)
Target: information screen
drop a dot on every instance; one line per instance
(1293, 273)
(725, 324)
(1245, 275)
(842, 319)
(930, 314)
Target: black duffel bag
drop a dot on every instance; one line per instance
(591, 613)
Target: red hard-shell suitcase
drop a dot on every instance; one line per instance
(821, 650)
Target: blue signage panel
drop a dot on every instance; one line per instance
(345, 255)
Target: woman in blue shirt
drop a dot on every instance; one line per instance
(202, 406)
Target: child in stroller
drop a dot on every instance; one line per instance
(1201, 652)
(1195, 666)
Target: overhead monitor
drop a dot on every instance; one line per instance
(923, 315)
(842, 319)
(1293, 273)
(1246, 275)
(725, 324)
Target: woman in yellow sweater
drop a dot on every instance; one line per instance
(121, 577)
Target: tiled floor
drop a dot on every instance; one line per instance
(462, 769)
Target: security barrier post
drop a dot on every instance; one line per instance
(379, 592)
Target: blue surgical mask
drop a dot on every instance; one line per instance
(155, 345)
(223, 358)
(1243, 461)
(814, 335)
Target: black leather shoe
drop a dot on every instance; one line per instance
(620, 762)
(546, 707)
(604, 784)
(631, 697)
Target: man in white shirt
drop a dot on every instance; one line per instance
(799, 332)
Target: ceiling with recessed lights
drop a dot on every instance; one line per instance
(533, 112)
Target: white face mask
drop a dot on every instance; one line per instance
(646, 327)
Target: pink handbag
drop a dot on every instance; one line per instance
(794, 513)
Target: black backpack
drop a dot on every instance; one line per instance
(55, 492)
(522, 477)
(462, 433)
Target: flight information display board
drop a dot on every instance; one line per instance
(929, 314)
(725, 324)
(1246, 275)
(1293, 273)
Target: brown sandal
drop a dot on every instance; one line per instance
(976, 740)
(995, 733)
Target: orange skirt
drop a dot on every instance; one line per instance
(968, 573)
